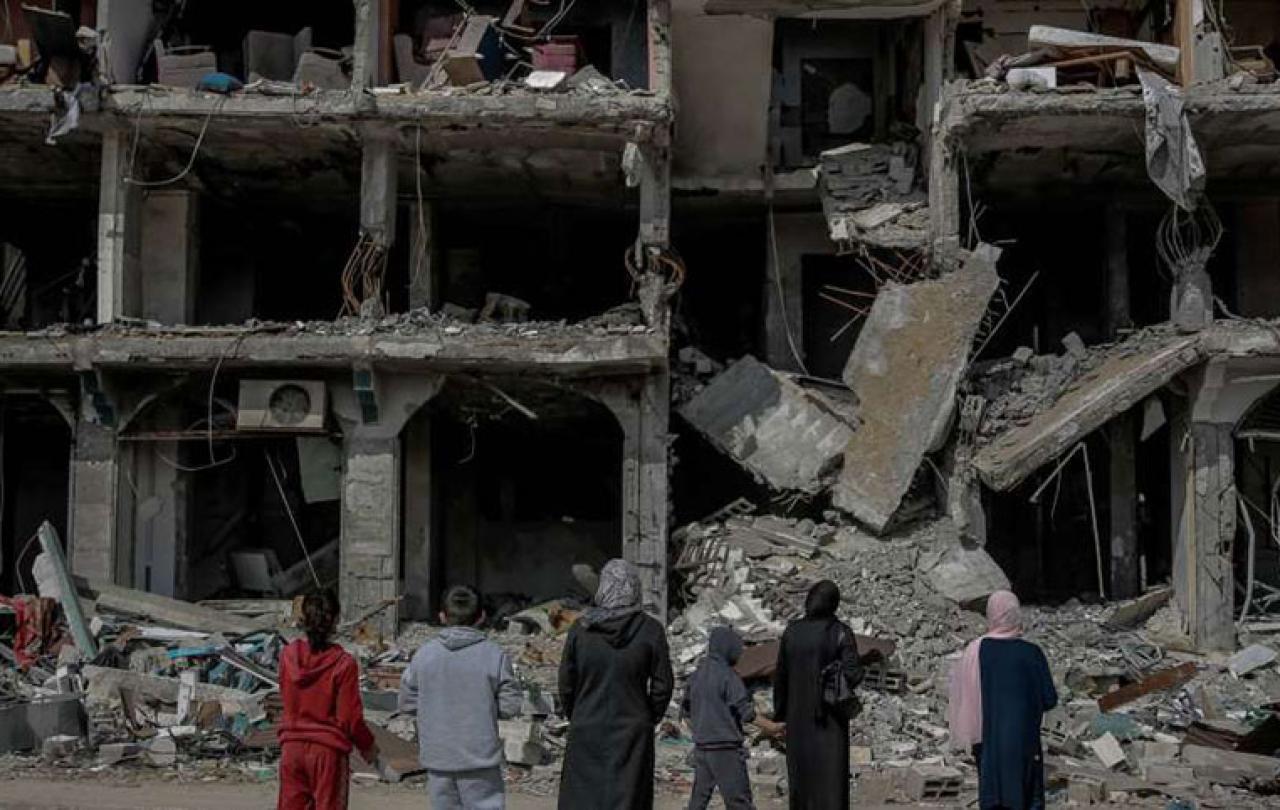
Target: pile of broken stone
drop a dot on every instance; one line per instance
(186, 689)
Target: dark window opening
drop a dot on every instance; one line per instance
(284, 263)
(518, 502)
(48, 273)
(565, 262)
(35, 447)
(220, 511)
(835, 294)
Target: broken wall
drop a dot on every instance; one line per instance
(723, 79)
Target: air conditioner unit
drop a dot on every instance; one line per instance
(296, 406)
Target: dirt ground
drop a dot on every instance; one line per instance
(44, 794)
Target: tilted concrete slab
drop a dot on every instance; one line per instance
(905, 369)
(787, 435)
(1109, 390)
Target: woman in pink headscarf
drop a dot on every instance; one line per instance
(1000, 690)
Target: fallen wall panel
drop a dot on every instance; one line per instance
(1108, 391)
(905, 369)
(785, 434)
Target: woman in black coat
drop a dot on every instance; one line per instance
(615, 684)
(817, 736)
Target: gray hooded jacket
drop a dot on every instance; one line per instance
(716, 701)
(460, 684)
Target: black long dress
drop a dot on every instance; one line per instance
(1017, 689)
(615, 684)
(817, 740)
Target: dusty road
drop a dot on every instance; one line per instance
(41, 794)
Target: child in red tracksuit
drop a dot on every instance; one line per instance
(323, 716)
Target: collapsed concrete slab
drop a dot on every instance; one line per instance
(905, 369)
(1110, 389)
(785, 434)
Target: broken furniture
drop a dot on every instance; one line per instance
(476, 54)
(292, 58)
(563, 53)
(184, 65)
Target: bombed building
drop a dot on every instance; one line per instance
(394, 293)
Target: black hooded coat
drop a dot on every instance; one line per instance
(615, 684)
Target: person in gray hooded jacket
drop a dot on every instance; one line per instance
(717, 705)
(460, 684)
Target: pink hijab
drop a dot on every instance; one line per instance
(1004, 620)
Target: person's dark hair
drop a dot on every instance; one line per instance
(822, 601)
(461, 606)
(320, 613)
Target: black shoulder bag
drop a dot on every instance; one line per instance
(838, 698)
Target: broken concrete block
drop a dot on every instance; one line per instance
(1250, 658)
(162, 752)
(905, 369)
(25, 725)
(1169, 775)
(522, 742)
(965, 574)
(786, 434)
(1108, 751)
(111, 753)
(1086, 789)
(1075, 346)
(59, 746)
(1230, 767)
(934, 783)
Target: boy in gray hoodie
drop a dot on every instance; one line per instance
(717, 705)
(460, 684)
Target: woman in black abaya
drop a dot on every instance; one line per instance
(817, 735)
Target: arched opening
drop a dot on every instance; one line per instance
(35, 445)
(509, 483)
(215, 509)
(1257, 473)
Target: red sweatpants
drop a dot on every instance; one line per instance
(313, 777)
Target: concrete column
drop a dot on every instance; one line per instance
(420, 588)
(1125, 572)
(659, 41)
(92, 513)
(642, 409)
(372, 422)
(119, 282)
(367, 54)
(944, 192)
(370, 547)
(655, 195)
(1204, 582)
(378, 186)
(170, 256)
(424, 267)
(1124, 508)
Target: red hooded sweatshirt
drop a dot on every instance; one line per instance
(321, 694)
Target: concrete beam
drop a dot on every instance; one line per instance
(565, 353)
(659, 44)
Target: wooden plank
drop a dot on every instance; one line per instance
(1161, 681)
(1185, 30)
